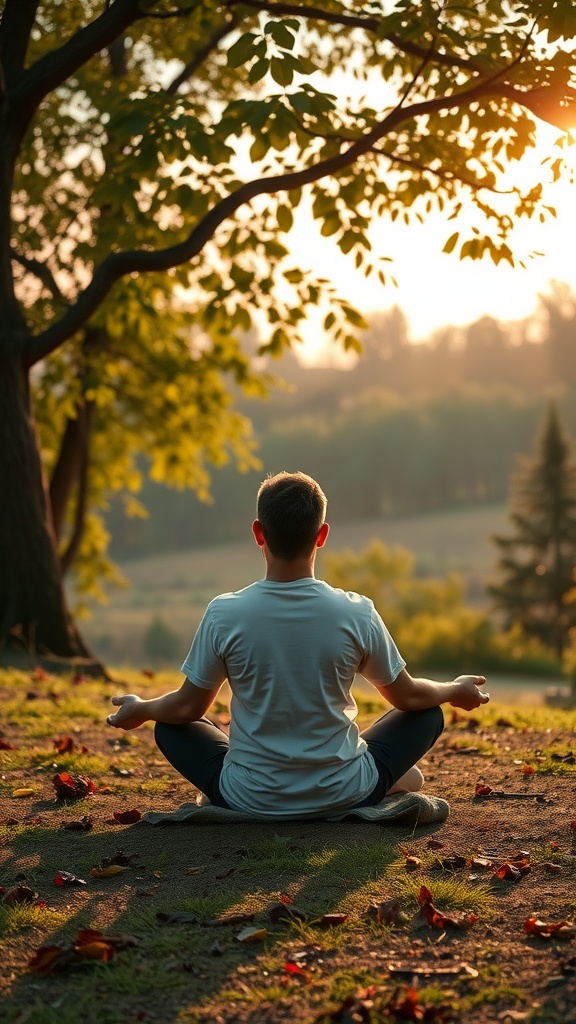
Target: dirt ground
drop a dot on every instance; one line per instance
(354, 969)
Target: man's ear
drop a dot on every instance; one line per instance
(258, 534)
(322, 535)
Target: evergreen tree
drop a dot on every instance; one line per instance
(537, 561)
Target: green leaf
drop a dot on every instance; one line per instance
(285, 218)
(258, 70)
(281, 72)
(241, 51)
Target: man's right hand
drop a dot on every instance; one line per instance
(469, 694)
(132, 712)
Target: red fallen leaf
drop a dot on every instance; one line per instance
(435, 844)
(72, 787)
(38, 675)
(483, 790)
(19, 894)
(332, 920)
(355, 1008)
(127, 817)
(528, 770)
(508, 872)
(559, 929)
(295, 969)
(430, 914)
(572, 826)
(84, 824)
(65, 878)
(5, 745)
(64, 744)
(48, 959)
(78, 678)
(284, 898)
(412, 863)
(148, 672)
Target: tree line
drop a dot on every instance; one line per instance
(378, 455)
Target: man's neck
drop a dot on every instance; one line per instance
(280, 571)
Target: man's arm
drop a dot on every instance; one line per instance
(409, 694)
(188, 704)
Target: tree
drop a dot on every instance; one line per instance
(537, 560)
(152, 153)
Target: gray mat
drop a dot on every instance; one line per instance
(397, 809)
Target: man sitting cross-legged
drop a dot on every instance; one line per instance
(289, 646)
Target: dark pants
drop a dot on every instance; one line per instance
(396, 741)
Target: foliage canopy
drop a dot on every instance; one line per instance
(156, 151)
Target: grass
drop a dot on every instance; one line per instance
(171, 977)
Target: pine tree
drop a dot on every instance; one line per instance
(537, 561)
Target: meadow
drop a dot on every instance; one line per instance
(177, 586)
(108, 922)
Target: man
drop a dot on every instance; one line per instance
(290, 646)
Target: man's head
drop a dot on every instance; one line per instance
(290, 510)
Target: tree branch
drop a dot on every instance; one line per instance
(199, 57)
(16, 25)
(118, 264)
(41, 271)
(365, 21)
(54, 68)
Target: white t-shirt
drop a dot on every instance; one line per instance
(290, 652)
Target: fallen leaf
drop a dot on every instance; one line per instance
(293, 969)
(38, 675)
(64, 744)
(412, 863)
(483, 790)
(127, 817)
(560, 929)
(332, 920)
(528, 770)
(453, 862)
(482, 863)
(19, 894)
(508, 872)
(435, 844)
(429, 914)
(72, 787)
(286, 912)
(385, 912)
(84, 824)
(23, 792)
(109, 871)
(148, 672)
(5, 745)
(65, 878)
(49, 959)
(195, 871)
(254, 934)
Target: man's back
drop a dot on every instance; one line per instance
(290, 652)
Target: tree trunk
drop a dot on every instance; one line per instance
(33, 612)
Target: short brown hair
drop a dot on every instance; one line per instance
(291, 508)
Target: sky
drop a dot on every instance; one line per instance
(436, 289)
